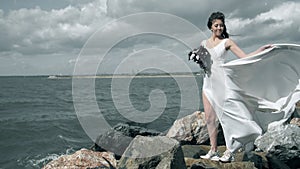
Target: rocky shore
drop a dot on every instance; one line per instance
(135, 147)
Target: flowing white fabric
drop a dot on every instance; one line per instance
(254, 93)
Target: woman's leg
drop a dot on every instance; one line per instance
(212, 126)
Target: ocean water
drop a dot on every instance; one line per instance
(38, 121)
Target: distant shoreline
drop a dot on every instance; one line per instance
(126, 76)
(176, 74)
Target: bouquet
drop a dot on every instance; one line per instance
(201, 56)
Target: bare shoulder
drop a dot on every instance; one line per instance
(229, 43)
(203, 42)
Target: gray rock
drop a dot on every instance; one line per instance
(112, 141)
(274, 163)
(119, 137)
(159, 152)
(282, 142)
(295, 121)
(134, 130)
(297, 110)
(193, 151)
(190, 129)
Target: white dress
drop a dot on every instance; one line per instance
(254, 93)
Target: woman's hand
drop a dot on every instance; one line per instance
(265, 47)
(261, 49)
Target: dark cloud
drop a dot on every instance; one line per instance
(54, 28)
(8, 5)
(278, 25)
(195, 11)
(36, 31)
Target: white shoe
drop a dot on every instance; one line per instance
(227, 157)
(211, 155)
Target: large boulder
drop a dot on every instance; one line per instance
(295, 121)
(118, 138)
(192, 129)
(159, 152)
(297, 110)
(283, 143)
(83, 159)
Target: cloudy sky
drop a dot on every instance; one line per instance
(42, 37)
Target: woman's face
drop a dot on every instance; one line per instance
(217, 27)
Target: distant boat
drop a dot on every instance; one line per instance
(52, 77)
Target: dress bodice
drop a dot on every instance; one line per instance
(218, 52)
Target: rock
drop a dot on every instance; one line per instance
(282, 142)
(83, 159)
(208, 164)
(295, 121)
(297, 110)
(298, 104)
(201, 166)
(117, 139)
(194, 151)
(158, 152)
(192, 158)
(134, 130)
(274, 163)
(259, 159)
(192, 129)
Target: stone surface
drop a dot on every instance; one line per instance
(159, 152)
(208, 164)
(295, 121)
(132, 130)
(259, 159)
(297, 111)
(280, 148)
(190, 129)
(119, 137)
(192, 157)
(298, 104)
(194, 151)
(274, 163)
(282, 142)
(83, 159)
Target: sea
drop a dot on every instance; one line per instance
(39, 119)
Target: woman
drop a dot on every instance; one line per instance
(215, 88)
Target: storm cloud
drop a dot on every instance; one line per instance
(46, 38)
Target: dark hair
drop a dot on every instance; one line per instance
(218, 15)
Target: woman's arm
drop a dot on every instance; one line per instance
(230, 44)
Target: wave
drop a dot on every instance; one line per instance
(37, 118)
(40, 161)
(69, 139)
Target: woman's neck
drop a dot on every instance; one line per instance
(215, 38)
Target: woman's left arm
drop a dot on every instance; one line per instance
(261, 49)
(230, 44)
